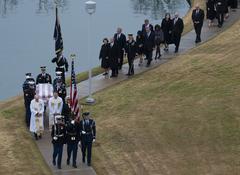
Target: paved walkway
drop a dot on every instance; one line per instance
(100, 82)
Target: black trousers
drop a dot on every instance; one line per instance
(87, 148)
(63, 73)
(28, 112)
(72, 149)
(114, 71)
(198, 30)
(148, 54)
(220, 17)
(120, 58)
(131, 66)
(177, 39)
(57, 153)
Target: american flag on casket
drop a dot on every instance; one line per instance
(44, 91)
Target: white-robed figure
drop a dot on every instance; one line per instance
(36, 123)
(55, 105)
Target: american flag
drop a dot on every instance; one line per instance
(74, 94)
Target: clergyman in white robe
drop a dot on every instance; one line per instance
(55, 105)
(37, 110)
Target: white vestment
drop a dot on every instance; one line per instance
(36, 123)
(55, 106)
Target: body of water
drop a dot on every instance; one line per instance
(26, 32)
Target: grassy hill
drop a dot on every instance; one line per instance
(181, 118)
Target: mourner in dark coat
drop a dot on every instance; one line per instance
(29, 88)
(131, 50)
(158, 39)
(43, 77)
(139, 44)
(120, 41)
(58, 139)
(66, 110)
(113, 58)
(88, 135)
(59, 86)
(198, 18)
(62, 64)
(211, 11)
(104, 56)
(146, 24)
(178, 27)
(72, 139)
(149, 44)
(221, 10)
(167, 26)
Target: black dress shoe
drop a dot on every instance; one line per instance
(68, 162)
(74, 166)
(36, 136)
(59, 167)
(54, 162)
(83, 160)
(89, 164)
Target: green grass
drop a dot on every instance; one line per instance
(181, 118)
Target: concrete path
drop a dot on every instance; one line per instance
(100, 82)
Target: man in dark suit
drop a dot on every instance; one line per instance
(88, 135)
(43, 77)
(178, 27)
(198, 18)
(221, 6)
(146, 24)
(148, 45)
(120, 41)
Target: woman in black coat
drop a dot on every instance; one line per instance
(159, 38)
(139, 44)
(104, 56)
(211, 12)
(167, 26)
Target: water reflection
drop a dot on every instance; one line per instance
(43, 6)
(46, 6)
(155, 8)
(7, 6)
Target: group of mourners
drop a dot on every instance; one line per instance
(65, 126)
(151, 38)
(219, 9)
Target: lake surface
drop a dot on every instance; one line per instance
(26, 32)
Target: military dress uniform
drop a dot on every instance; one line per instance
(131, 49)
(29, 88)
(62, 65)
(58, 139)
(60, 87)
(72, 139)
(88, 136)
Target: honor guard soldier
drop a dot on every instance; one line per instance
(72, 138)
(88, 135)
(59, 86)
(62, 64)
(43, 77)
(131, 49)
(29, 88)
(58, 140)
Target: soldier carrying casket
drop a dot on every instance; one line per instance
(29, 88)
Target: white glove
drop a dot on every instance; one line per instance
(83, 132)
(94, 140)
